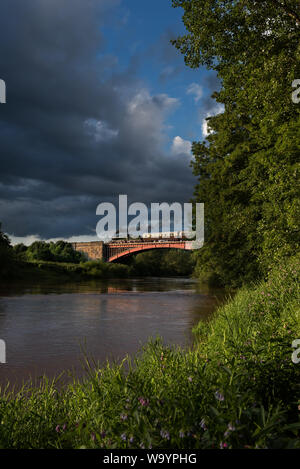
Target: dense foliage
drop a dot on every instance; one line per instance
(60, 251)
(248, 166)
(237, 389)
(163, 263)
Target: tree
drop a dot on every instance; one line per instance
(5, 254)
(20, 251)
(248, 167)
(39, 251)
(61, 251)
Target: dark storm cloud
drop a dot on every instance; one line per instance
(75, 130)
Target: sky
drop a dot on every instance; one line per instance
(99, 103)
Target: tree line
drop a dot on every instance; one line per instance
(60, 251)
(12, 256)
(248, 166)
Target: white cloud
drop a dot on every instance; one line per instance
(181, 146)
(143, 102)
(217, 109)
(196, 90)
(27, 240)
(146, 117)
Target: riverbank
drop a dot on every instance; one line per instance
(63, 271)
(238, 388)
(148, 264)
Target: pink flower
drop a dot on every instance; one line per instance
(143, 402)
(223, 445)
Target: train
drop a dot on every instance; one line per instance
(174, 235)
(158, 237)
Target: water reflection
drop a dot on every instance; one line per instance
(45, 326)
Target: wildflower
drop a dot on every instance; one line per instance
(190, 379)
(57, 428)
(230, 429)
(165, 435)
(93, 436)
(223, 445)
(181, 434)
(203, 425)
(64, 427)
(123, 417)
(143, 402)
(219, 396)
(103, 434)
(123, 436)
(142, 445)
(131, 440)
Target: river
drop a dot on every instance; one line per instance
(48, 328)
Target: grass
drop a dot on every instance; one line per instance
(63, 271)
(237, 388)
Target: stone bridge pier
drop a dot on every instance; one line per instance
(94, 250)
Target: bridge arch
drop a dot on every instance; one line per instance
(115, 252)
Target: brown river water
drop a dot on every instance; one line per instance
(49, 328)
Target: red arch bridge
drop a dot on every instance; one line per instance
(113, 251)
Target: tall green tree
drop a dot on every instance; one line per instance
(248, 166)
